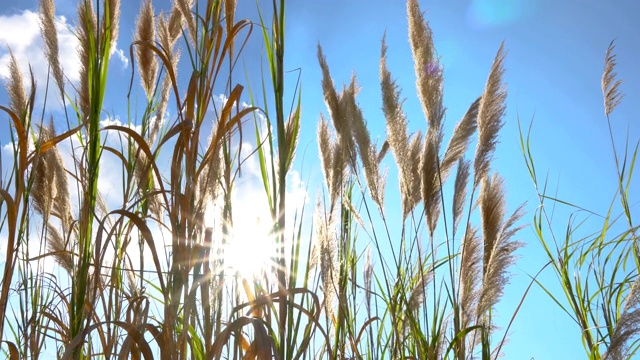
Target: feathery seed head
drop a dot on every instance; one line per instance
(112, 26)
(168, 32)
(147, 62)
(431, 181)
(331, 98)
(492, 204)
(326, 149)
(50, 189)
(292, 130)
(418, 293)
(406, 151)
(610, 85)
(58, 246)
(174, 25)
(43, 189)
(490, 113)
(16, 89)
(461, 138)
(185, 7)
(470, 276)
(499, 248)
(208, 183)
(627, 327)
(86, 32)
(367, 277)
(50, 35)
(365, 148)
(325, 255)
(392, 108)
(410, 182)
(429, 76)
(460, 191)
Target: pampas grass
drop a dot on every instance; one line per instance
(421, 318)
(603, 299)
(50, 189)
(48, 29)
(498, 245)
(610, 85)
(429, 75)
(367, 278)
(490, 114)
(147, 61)
(16, 88)
(86, 31)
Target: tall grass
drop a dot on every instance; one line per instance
(349, 285)
(597, 270)
(434, 295)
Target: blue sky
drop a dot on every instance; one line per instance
(553, 70)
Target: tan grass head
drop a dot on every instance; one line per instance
(406, 150)
(499, 246)
(292, 132)
(627, 327)
(470, 276)
(185, 7)
(43, 190)
(411, 181)
(610, 85)
(16, 89)
(429, 76)
(58, 246)
(112, 26)
(147, 62)
(86, 31)
(331, 98)
(50, 35)
(490, 113)
(461, 138)
(392, 107)
(50, 189)
(460, 191)
(431, 179)
(324, 255)
(362, 141)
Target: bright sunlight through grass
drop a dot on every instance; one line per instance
(170, 199)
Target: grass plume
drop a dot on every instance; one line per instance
(50, 35)
(147, 62)
(429, 76)
(149, 272)
(16, 88)
(610, 85)
(497, 234)
(490, 113)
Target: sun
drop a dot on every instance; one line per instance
(249, 246)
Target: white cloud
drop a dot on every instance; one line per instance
(19, 41)
(7, 149)
(116, 122)
(28, 47)
(121, 56)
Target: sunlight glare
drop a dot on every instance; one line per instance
(250, 247)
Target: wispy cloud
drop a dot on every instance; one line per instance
(28, 47)
(121, 56)
(7, 149)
